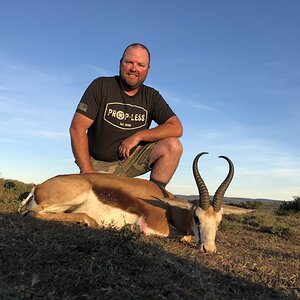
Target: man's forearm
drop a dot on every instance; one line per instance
(171, 128)
(80, 150)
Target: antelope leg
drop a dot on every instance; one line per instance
(68, 217)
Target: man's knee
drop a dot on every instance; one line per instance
(171, 146)
(175, 146)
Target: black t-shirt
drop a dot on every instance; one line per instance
(117, 116)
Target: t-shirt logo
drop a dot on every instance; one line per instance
(125, 116)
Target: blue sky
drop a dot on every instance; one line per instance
(229, 69)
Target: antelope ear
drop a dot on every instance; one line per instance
(234, 210)
(203, 201)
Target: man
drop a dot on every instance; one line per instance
(110, 131)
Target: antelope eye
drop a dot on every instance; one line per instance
(196, 219)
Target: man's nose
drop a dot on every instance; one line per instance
(133, 67)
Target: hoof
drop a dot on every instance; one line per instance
(29, 213)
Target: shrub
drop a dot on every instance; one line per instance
(8, 185)
(12, 192)
(252, 204)
(249, 204)
(287, 206)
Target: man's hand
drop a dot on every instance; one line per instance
(127, 145)
(171, 128)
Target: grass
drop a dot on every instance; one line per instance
(258, 258)
(286, 226)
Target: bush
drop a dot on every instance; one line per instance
(286, 206)
(248, 205)
(252, 204)
(8, 185)
(12, 192)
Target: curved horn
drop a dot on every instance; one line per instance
(203, 201)
(219, 194)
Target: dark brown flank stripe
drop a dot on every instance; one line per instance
(122, 200)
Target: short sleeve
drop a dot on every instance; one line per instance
(90, 101)
(161, 111)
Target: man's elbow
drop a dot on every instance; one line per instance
(178, 132)
(79, 124)
(73, 128)
(71, 131)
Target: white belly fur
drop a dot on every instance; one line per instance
(104, 214)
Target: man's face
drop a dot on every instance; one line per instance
(134, 67)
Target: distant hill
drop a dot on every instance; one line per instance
(233, 199)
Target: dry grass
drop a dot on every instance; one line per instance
(258, 258)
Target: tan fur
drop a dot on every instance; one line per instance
(103, 199)
(100, 199)
(210, 213)
(229, 209)
(66, 217)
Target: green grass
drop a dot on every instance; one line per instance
(268, 220)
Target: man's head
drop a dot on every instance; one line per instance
(134, 66)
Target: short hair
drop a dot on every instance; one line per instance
(136, 45)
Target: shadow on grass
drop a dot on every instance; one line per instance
(46, 260)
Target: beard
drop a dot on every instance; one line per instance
(131, 80)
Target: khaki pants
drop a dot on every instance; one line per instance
(136, 164)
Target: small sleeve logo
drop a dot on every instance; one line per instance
(82, 106)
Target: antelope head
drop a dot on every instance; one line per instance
(207, 216)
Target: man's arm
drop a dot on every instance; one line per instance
(79, 140)
(171, 128)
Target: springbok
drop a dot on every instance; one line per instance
(103, 199)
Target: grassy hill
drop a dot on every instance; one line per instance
(258, 258)
(234, 199)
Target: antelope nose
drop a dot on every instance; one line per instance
(209, 248)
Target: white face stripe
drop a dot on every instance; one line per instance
(209, 221)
